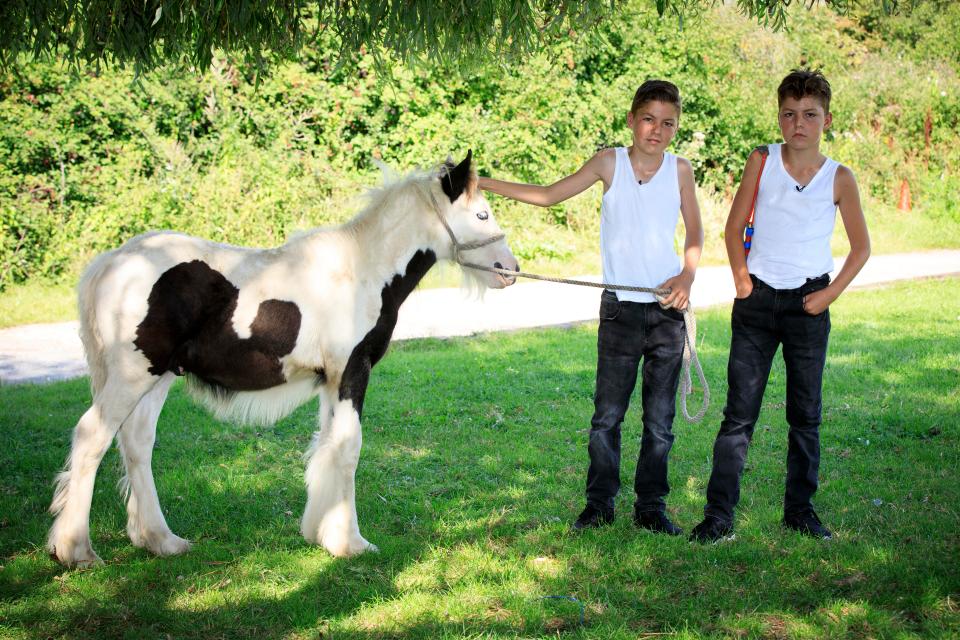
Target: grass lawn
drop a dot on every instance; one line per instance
(472, 469)
(32, 302)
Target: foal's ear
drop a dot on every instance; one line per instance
(456, 179)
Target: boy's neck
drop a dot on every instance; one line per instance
(639, 158)
(810, 157)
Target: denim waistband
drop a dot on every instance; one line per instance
(803, 289)
(611, 295)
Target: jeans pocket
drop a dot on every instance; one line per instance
(812, 286)
(747, 297)
(673, 314)
(609, 306)
(815, 284)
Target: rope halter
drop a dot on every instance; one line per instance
(458, 246)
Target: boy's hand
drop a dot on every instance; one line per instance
(744, 288)
(817, 302)
(679, 286)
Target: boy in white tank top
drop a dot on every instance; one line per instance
(645, 188)
(783, 295)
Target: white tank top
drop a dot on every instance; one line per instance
(637, 225)
(792, 229)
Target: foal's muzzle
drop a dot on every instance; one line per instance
(507, 280)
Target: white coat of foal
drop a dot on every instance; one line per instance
(257, 333)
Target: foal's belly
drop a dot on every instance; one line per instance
(188, 328)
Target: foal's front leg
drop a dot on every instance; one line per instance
(330, 517)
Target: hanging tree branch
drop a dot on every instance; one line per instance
(148, 33)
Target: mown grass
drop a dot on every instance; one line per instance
(472, 469)
(31, 302)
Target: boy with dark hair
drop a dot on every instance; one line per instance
(783, 295)
(644, 189)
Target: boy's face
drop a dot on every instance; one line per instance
(654, 124)
(803, 121)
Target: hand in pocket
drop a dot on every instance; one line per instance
(817, 302)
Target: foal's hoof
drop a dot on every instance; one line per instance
(75, 556)
(350, 547)
(160, 542)
(361, 546)
(88, 563)
(170, 545)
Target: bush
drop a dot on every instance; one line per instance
(88, 160)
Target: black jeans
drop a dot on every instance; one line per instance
(629, 332)
(761, 322)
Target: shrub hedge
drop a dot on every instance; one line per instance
(89, 159)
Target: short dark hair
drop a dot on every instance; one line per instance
(800, 83)
(659, 90)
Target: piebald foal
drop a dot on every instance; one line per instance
(258, 333)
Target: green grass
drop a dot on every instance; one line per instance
(472, 469)
(32, 302)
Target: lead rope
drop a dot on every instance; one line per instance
(689, 319)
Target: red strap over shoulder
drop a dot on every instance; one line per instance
(764, 152)
(748, 231)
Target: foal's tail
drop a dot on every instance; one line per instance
(89, 328)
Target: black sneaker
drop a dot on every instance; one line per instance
(711, 530)
(592, 517)
(807, 523)
(656, 521)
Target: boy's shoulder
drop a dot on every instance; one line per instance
(845, 171)
(606, 152)
(759, 156)
(844, 179)
(605, 159)
(684, 167)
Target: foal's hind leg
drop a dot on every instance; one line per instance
(330, 517)
(69, 538)
(146, 525)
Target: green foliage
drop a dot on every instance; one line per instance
(149, 33)
(89, 160)
(928, 30)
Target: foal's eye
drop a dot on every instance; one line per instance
(483, 215)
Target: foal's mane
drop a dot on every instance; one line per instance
(420, 188)
(419, 184)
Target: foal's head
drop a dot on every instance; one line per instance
(470, 219)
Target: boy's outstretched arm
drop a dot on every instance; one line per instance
(737, 222)
(851, 212)
(680, 284)
(594, 169)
